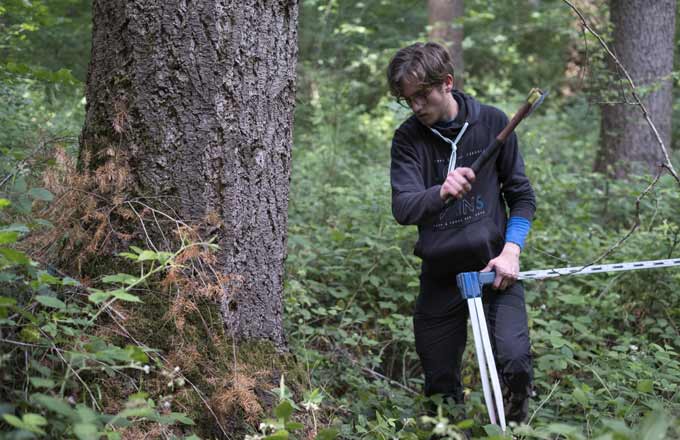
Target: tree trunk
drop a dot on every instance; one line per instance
(446, 27)
(191, 103)
(644, 34)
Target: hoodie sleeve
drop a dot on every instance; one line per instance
(516, 187)
(412, 203)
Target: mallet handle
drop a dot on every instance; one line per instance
(502, 136)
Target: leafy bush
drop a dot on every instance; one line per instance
(52, 353)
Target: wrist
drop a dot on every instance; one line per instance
(512, 249)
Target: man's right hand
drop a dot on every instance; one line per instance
(457, 183)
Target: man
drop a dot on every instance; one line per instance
(462, 221)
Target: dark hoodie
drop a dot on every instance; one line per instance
(464, 235)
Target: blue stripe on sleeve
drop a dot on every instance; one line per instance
(517, 231)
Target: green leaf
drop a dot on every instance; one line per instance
(7, 237)
(86, 415)
(493, 430)
(41, 382)
(7, 277)
(294, 426)
(13, 256)
(30, 422)
(45, 223)
(123, 278)
(86, 431)
(147, 256)
(20, 184)
(98, 296)
(645, 386)
(327, 434)
(68, 281)
(24, 204)
(30, 334)
(45, 278)
(13, 420)
(654, 426)
(284, 410)
(7, 302)
(566, 430)
(18, 227)
(41, 194)
(278, 435)
(4, 203)
(580, 396)
(182, 418)
(50, 301)
(53, 404)
(137, 354)
(137, 412)
(124, 296)
(34, 419)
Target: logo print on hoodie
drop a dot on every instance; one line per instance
(461, 212)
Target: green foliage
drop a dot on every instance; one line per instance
(605, 347)
(51, 354)
(43, 56)
(501, 54)
(282, 425)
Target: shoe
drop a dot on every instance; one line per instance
(517, 407)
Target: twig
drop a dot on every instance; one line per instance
(670, 321)
(41, 146)
(601, 381)
(668, 165)
(160, 229)
(141, 222)
(24, 344)
(636, 225)
(383, 377)
(7, 177)
(543, 402)
(68, 365)
(376, 374)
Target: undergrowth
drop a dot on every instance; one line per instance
(605, 346)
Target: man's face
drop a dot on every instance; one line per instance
(430, 104)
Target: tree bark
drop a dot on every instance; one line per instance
(446, 27)
(643, 34)
(192, 103)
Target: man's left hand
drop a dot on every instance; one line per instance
(506, 266)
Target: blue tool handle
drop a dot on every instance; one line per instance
(486, 277)
(470, 283)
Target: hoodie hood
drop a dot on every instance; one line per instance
(469, 110)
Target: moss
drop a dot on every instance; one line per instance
(237, 388)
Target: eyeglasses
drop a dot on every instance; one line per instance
(420, 97)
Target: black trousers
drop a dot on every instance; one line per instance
(440, 327)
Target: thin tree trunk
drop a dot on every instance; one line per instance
(191, 103)
(643, 37)
(446, 27)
